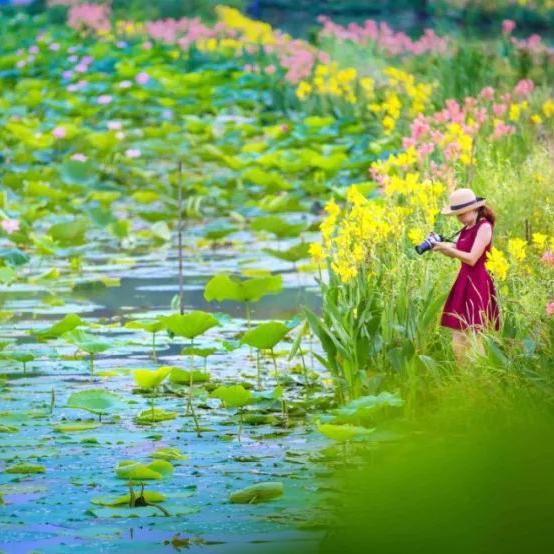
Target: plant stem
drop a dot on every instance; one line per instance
(91, 365)
(180, 235)
(154, 357)
(240, 423)
(258, 374)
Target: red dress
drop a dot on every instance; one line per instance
(472, 299)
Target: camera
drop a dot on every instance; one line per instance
(429, 242)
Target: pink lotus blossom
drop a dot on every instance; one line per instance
(33, 50)
(54, 47)
(67, 74)
(167, 114)
(120, 135)
(285, 128)
(104, 99)
(115, 125)
(147, 45)
(142, 78)
(508, 26)
(78, 157)
(59, 132)
(133, 153)
(550, 308)
(121, 44)
(10, 225)
(125, 84)
(87, 60)
(73, 58)
(81, 68)
(270, 69)
(20, 64)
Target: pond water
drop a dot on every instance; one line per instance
(52, 512)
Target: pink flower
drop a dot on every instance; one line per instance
(125, 84)
(81, 68)
(79, 157)
(285, 128)
(270, 69)
(121, 44)
(67, 74)
(104, 99)
(142, 78)
(487, 93)
(502, 129)
(10, 225)
(73, 58)
(133, 153)
(59, 132)
(524, 87)
(499, 109)
(548, 258)
(147, 45)
(120, 135)
(54, 47)
(508, 26)
(33, 50)
(550, 308)
(114, 125)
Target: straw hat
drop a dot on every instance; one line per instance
(462, 201)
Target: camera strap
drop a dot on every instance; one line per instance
(449, 239)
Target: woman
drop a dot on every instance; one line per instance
(471, 304)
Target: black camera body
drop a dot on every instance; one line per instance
(431, 239)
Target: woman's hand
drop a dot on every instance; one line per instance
(445, 248)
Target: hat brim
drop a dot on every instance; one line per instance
(477, 204)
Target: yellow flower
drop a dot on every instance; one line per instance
(416, 235)
(548, 108)
(514, 112)
(496, 263)
(536, 119)
(539, 240)
(316, 252)
(332, 208)
(516, 248)
(303, 90)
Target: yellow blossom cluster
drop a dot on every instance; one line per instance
(497, 263)
(251, 30)
(352, 236)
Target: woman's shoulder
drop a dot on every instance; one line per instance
(484, 222)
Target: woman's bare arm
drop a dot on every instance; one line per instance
(482, 239)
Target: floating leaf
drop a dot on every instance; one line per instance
(343, 433)
(168, 453)
(97, 401)
(293, 254)
(260, 492)
(277, 226)
(155, 415)
(149, 496)
(25, 469)
(76, 427)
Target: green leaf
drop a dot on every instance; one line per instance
(343, 433)
(260, 492)
(14, 256)
(149, 496)
(190, 325)
(69, 322)
(150, 379)
(183, 376)
(69, 233)
(168, 453)
(76, 426)
(293, 254)
(25, 469)
(74, 172)
(233, 396)
(85, 341)
(96, 401)
(277, 226)
(223, 287)
(150, 325)
(265, 335)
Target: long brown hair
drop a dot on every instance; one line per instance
(487, 213)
